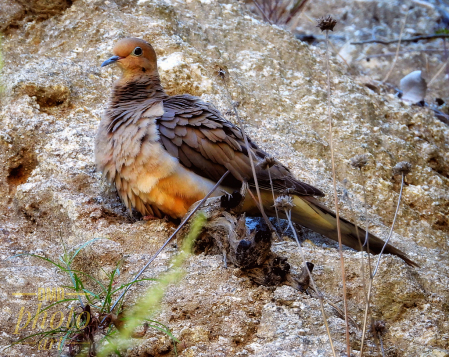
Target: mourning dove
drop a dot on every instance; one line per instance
(164, 153)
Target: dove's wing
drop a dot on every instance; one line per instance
(209, 145)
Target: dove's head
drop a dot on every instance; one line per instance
(134, 56)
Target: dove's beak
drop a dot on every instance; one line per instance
(113, 59)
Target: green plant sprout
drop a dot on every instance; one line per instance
(95, 303)
(151, 301)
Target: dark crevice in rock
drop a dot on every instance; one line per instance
(19, 12)
(48, 97)
(438, 165)
(21, 168)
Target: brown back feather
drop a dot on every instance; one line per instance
(206, 143)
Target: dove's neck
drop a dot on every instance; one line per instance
(138, 88)
(131, 97)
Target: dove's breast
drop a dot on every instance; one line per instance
(145, 174)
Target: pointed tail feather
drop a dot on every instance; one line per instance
(311, 214)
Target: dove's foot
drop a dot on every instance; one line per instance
(149, 218)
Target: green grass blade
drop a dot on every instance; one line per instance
(153, 297)
(108, 298)
(100, 284)
(43, 334)
(133, 282)
(165, 330)
(84, 246)
(40, 257)
(91, 293)
(49, 306)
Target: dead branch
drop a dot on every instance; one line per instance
(227, 234)
(389, 54)
(412, 39)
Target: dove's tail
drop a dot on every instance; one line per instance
(311, 214)
(308, 212)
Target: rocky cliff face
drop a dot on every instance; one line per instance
(53, 94)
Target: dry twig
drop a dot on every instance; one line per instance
(379, 329)
(438, 73)
(265, 164)
(389, 54)
(359, 161)
(397, 48)
(326, 24)
(412, 39)
(362, 262)
(403, 168)
(224, 76)
(281, 12)
(285, 203)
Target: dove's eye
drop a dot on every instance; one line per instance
(137, 52)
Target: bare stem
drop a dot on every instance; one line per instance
(362, 262)
(381, 345)
(263, 12)
(368, 293)
(275, 207)
(392, 225)
(362, 178)
(288, 213)
(169, 239)
(389, 54)
(250, 152)
(365, 318)
(337, 214)
(375, 271)
(397, 49)
(339, 55)
(438, 73)
(264, 216)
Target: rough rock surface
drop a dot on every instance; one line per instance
(383, 20)
(53, 94)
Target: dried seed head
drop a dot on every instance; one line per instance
(402, 168)
(379, 326)
(345, 195)
(267, 162)
(284, 203)
(222, 73)
(326, 23)
(359, 161)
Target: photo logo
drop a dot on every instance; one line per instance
(42, 319)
